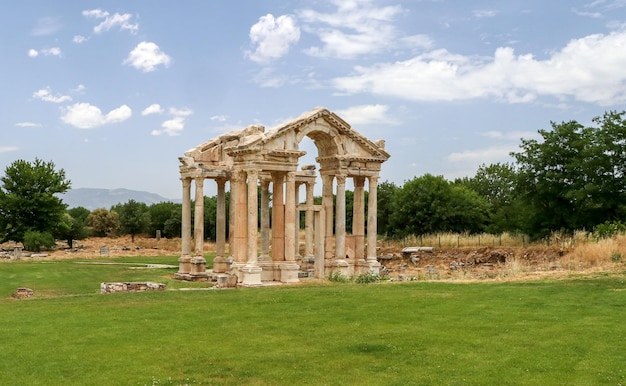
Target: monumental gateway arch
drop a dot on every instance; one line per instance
(265, 241)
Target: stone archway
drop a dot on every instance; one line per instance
(254, 157)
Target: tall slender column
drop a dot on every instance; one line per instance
(278, 218)
(231, 217)
(219, 263)
(358, 217)
(308, 221)
(340, 218)
(372, 218)
(290, 217)
(220, 226)
(296, 234)
(186, 218)
(198, 234)
(327, 207)
(253, 210)
(198, 262)
(265, 219)
(241, 222)
(184, 266)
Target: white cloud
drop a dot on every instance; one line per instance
(123, 21)
(28, 124)
(512, 135)
(589, 69)
(482, 13)
(184, 112)
(152, 109)
(54, 51)
(365, 114)
(46, 26)
(146, 56)
(487, 156)
(6, 149)
(79, 89)
(174, 126)
(45, 94)
(356, 28)
(79, 39)
(219, 118)
(272, 37)
(87, 116)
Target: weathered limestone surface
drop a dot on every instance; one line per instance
(254, 160)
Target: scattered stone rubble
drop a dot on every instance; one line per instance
(22, 293)
(106, 288)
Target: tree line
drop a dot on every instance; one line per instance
(572, 178)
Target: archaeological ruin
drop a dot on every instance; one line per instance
(264, 235)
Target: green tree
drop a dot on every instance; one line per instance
(574, 177)
(385, 195)
(497, 184)
(134, 218)
(160, 214)
(103, 222)
(29, 198)
(72, 228)
(430, 204)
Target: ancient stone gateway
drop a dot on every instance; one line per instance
(253, 158)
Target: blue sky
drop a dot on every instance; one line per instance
(114, 92)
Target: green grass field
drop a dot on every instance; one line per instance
(568, 332)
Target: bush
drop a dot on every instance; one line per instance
(608, 229)
(367, 278)
(36, 241)
(337, 277)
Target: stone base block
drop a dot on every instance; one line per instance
(251, 275)
(268, 270)
(221, 265)
(342, 266)
(289, 272)
(184, 265)
(192, 277)
(374, 266)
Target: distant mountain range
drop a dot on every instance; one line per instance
(106, 198)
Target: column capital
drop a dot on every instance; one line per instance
(253, 173)
(341, 179)
(237, 175)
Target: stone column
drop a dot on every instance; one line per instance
(340, 218)
(219, 264)
(252, 215)
(358, 217)
(319, 218)
(241, 212)
(231, 219)
(198, 263)
(297, 222)
(251, 271)
(372, 218)
(278, 218)
(184, 262)
(290, 217)
(327, 207)
(265, 220)
(289, 269)
(308, 221)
